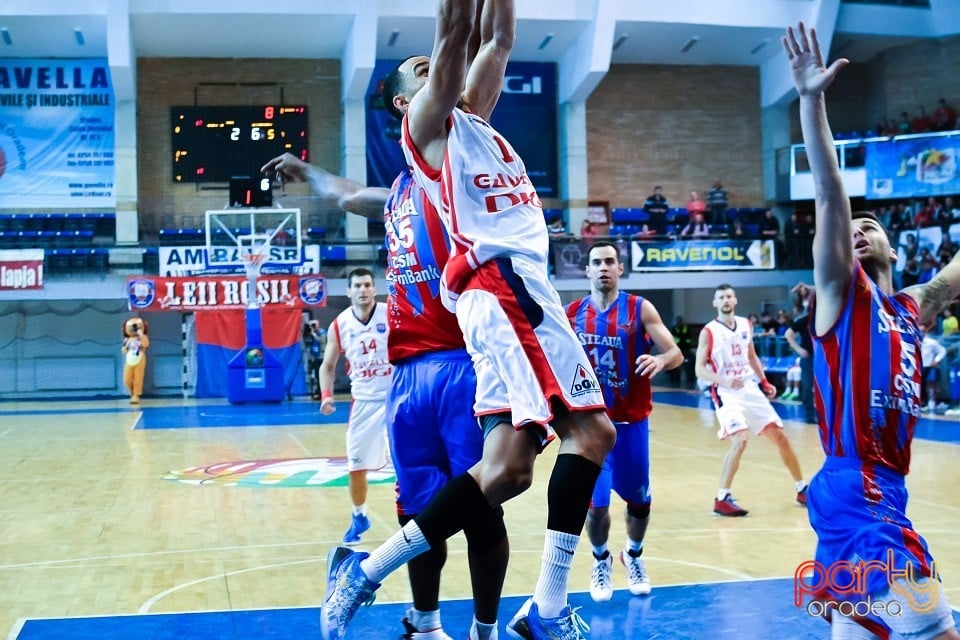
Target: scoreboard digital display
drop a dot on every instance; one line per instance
(212, 144)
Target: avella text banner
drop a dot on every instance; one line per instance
(702, 255)
(158, 293)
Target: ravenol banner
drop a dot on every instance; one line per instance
(912, 168)
(56, 133)
(702, 255)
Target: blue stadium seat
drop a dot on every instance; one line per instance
(316, 233)
(633, 216)
(335, 254)
(552, 215)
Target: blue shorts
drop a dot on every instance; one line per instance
(626, 468)
(434, 435)
(861, 516)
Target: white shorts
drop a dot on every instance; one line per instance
(367, 435)
(793, 374)
(929, 616)
(523, 349)
(740, 409)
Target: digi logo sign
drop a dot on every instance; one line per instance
(523, 84)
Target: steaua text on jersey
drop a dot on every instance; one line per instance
(867, 375)
(417, 251)
(613, 339)
(485, 198)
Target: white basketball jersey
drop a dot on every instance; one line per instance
(487, 203)
(730, 348)
(365, 346)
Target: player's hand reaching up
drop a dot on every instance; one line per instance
(809, 74)
(286, 168)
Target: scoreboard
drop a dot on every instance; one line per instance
(214, 143)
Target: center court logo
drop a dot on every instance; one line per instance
(908, 586)
(294, 472)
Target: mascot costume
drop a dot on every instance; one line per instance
(135, 344)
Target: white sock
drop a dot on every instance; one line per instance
(551, 591)
(482, 631)
(424, 620)
(723, 493)
(360, 509)
(634, 546)
(599, 552)
(396, 551)
(801, 485)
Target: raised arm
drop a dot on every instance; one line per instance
(348, 194)
(832, 246)
(498, 21)
(430, 107)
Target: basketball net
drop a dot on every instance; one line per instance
(252, 263)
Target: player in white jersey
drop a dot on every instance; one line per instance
(531, 369)
(741, 396)
(360, 333)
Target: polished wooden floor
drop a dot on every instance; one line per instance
(90, 526)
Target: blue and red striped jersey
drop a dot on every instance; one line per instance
(417, 251)
(613, 340)
(867, 375)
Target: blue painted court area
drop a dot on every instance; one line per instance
(758, 610)
(241, 415)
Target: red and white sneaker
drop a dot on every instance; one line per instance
(728, 507)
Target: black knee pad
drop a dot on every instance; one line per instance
(638, 511)
(487, 533)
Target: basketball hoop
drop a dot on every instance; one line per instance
(252, 263)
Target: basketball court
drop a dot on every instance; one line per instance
(201, 518)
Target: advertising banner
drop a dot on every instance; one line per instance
(202, 293)
(192, 261)
(21, 269)
(702, 255)
(56, 133)
(914, 168)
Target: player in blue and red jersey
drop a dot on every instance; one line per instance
(867, 373)
(617, 330)
(434, 435)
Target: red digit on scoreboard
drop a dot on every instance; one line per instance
(268, 113)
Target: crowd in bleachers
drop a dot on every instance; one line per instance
(943, 118)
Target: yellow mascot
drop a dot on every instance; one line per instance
(135, 345)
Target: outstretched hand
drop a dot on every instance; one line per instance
(809, 74)
(286, 168)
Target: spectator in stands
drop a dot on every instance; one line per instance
(928, 267)
(921, 123)
(946, 250)
(931, 353)
(696, 228)
(924, 217)
(718, 203)
(887, 127)
(944, 117)
(736, 229)
(885, 215)
(904, 216)
(656, 207)
(755, 323)
(770, 225)
(799, 339)
(903, 126)
(783, 322)
(557, 231)
(798, 242)
(768, 324)
(910, 274)
(588, 231)
(954, 210)
(695, 205)
(910, 246)
(682, 337)
(949, 325)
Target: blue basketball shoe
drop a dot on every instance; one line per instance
(347, 589)
(359, 523)
(567, 626)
